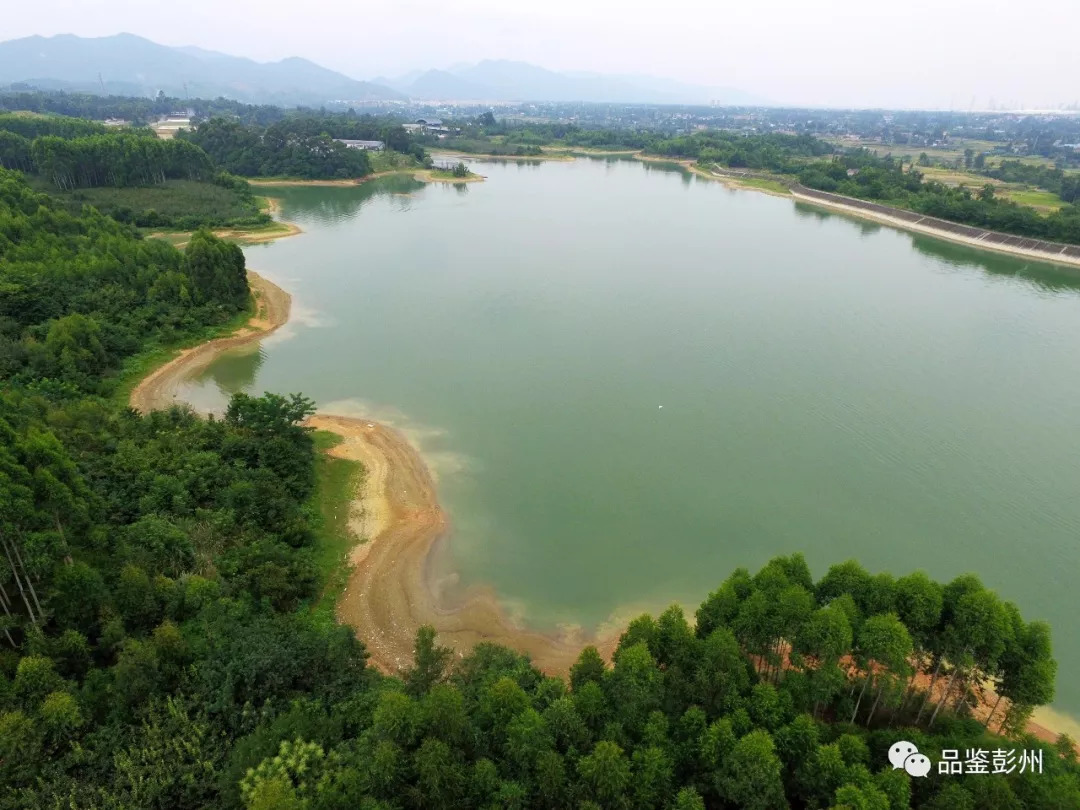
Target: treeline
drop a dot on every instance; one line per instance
(253, 152)
(138, 110)
(353, 127)
(118, 159)
(298, 146)
(776, 152)
(72, 153)
(861, 174)
(81, 292)
(129, 174)
(34, 126)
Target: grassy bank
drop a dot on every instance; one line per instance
(336, 482)
(1043, 201)
(175, 203)
(773, 186)
(446, 176)
(388, 160)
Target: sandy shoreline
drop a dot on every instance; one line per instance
(392, 589)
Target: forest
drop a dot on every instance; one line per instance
(137, 110)
(83, 292)
(72, 153)
(131, 175)
(298, 146)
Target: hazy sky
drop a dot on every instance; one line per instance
(946, 53)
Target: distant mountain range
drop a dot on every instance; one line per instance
(503, 80)
(129, 65)
(126, 64)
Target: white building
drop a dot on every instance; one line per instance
(367, 146)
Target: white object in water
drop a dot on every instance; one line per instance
(661, 406)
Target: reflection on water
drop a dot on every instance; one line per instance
(1045, 276)
(231, 372)
(332, 205)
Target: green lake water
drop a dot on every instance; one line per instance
(828, 386)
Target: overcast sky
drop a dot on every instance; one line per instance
(944, 54)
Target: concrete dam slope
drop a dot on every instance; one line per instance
(976, 237)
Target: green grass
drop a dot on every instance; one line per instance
(442, 174)
(1036, 198)
(140, 365)
(765, 185)
(388, 160)
(494, 146)
(336, 480)
(186, 203)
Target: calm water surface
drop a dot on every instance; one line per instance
(828, 386)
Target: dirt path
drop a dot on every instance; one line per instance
(158, 389)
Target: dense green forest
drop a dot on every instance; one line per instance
(131, 175)
(81, 154)
(159, 648)
(75, 153)
(35, 126)
(82, 292)
(299, 146)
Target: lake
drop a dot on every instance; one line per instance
(630, 381)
